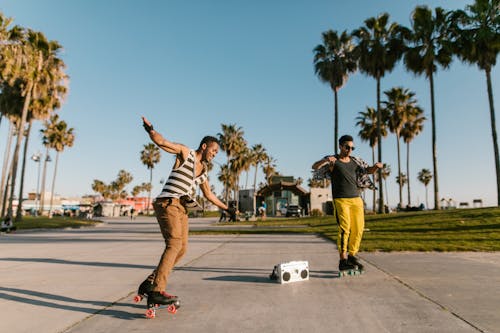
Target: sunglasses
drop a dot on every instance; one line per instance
(346, 147)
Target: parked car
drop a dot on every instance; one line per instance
(293, 210)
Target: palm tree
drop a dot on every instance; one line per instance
(367, 121)
(334, 61)
(379, 48)
(425, 176)
(39, 69)
(386, 172)
(150, 156)
(401, 179)
(269, 168)
(231, 141)
(117, 186)
(259, 155)
(57, 136)
(478, 42)
(413, 126)
(430, 46)
(226, 177)
(400, 106)
(239, 163)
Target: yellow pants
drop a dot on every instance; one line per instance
(350, 216)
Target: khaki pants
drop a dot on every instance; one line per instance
(173, 220)
(350, 216)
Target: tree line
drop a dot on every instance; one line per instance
(435, 38)
(33, 85)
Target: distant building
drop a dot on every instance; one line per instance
(321, 199)
(281, 192)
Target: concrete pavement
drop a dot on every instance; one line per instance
(84, 280)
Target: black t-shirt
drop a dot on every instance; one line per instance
(343, 178)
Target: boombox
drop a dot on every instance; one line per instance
(291, 271)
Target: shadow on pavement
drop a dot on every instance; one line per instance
(5, 293)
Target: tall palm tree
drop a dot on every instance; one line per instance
(37, 65)
(269, 168)
(57, 136)
(401, 179)
(379, 47)
(429, 46)
(478, 42)
(367, 121)
(231, 142)
(259, 155)
(425, 176)
(117, 186)
(226, 177)
(413, 127)
(400, 105)
(386, 172)
(334, 61)
(150, 156)
(9, 38)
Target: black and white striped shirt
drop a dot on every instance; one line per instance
(182, 180)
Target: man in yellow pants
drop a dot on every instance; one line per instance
(349, 175)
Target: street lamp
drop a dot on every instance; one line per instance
(42, 192)
(37, 158)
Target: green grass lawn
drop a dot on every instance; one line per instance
(43, 222)
(446, 230)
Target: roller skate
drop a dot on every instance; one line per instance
(354, 261)
(145, 288)
(347, 268)
(159, 300)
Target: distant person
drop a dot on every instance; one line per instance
(232, 212)
(262, 210)
(7, 224)
(132, 212)
(171, 207)
(223, 216)
(349, 175)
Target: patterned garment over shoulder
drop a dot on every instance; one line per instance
(363, 179)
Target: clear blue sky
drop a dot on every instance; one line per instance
(190, 66)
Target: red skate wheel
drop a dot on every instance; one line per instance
(171, 308)
(137, 298)
(150, 313)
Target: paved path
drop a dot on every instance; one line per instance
(84, 280)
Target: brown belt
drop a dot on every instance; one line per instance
(170, 200)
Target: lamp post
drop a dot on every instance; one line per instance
(37, 158)
(44, 176)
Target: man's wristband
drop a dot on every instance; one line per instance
(148, 128)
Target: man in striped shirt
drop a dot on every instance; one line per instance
(171, 206)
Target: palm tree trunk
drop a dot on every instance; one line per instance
(5, 167)
(379, 138)
(20, 136)
(426, 197)
(400, 180)
(374, 191)
(44, 177)
(150, 188)
(408, 171)
(434, 145)
(336, 121)
(494, 133)
(53, 185)
(19, 213)
(6, 192)
(255, 188)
